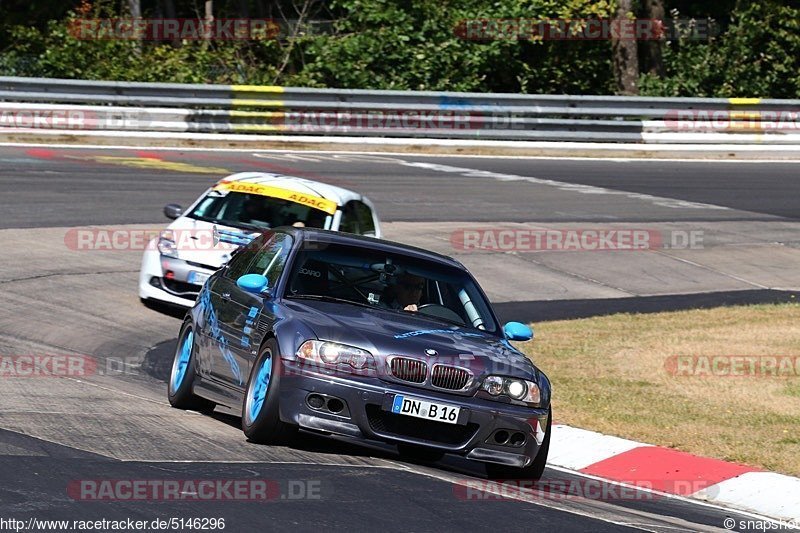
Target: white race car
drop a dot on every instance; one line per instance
(233, 212)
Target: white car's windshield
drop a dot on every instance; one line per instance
(390, 281)
(255, 211)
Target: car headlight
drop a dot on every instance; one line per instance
(515, 388)
(166, 244)
(333, 353)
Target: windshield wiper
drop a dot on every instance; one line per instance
(323, 298)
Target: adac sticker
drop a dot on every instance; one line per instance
(316, 202)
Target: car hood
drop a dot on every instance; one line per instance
(196, 243)
(384, 333)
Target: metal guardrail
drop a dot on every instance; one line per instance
(77, 105)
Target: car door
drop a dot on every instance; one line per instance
(242, 312)
(218, 361)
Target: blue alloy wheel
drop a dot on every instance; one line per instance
(259, 389)
(182, 361)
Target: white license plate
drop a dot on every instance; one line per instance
(198, 278)
(403, 405)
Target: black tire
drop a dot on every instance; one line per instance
(420, 453)
(266, 427)
(532, 472)
(179, 391)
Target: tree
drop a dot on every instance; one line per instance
(654, 11)
(625, 57)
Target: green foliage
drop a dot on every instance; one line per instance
(57, 53)
(758, 56)
(392, 44)
(414, 45)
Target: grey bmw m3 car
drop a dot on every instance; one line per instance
(307, 329)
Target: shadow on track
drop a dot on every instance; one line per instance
(545, 310)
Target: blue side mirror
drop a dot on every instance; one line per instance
(516, 331)
(252, 283)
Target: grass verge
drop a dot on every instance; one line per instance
(620, 375)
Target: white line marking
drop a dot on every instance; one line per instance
(565, 186)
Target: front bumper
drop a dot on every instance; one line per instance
(183, 285)
(365, 414)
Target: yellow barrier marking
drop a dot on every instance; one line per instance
(323, 204)
(257, 114)
(744, 101)
(739, 115)
(152, 163)
(239, 102)
(258, 127)
(257, 89)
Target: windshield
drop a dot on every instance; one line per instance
(393, 282)
(256, 211)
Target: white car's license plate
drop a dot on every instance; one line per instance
(403, 405)
(198, 278)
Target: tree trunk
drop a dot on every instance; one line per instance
(169, 8)
(625, 57)
(209, 10)
(209, 13)
(135, 8)
(654, 10)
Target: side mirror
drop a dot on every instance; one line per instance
(516, 331)
(172, 211)
(252, 283)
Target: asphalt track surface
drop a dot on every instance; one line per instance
(116, 423)
(50, 187)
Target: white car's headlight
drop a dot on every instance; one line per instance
(515, 388)
(166, 244)
(333, 353)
